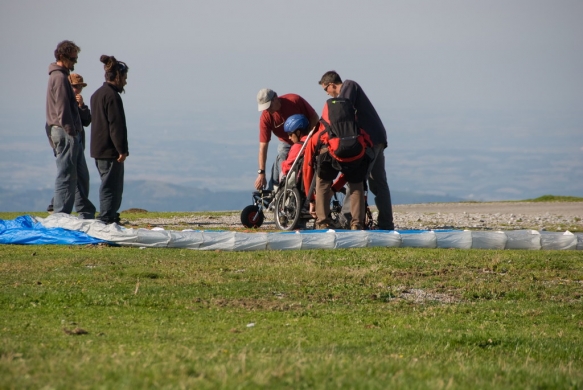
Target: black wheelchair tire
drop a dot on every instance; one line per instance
(287, 215)
(251, 217)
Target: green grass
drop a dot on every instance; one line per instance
(6, 215)
(555, 198)
(162, 318)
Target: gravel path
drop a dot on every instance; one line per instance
(495, 215)
(552, 216)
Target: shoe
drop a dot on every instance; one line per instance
(356, 226)
(322, 226)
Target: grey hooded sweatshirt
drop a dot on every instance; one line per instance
(61, 104)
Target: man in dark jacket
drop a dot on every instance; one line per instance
(109, 138)
(369, 120)
(64, 129)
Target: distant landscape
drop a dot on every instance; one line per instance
(160, 196)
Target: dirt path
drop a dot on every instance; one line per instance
(552, 216)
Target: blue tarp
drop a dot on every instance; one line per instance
(25, 230)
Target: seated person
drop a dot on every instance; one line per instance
(296, 126)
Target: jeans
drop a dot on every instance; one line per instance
(72, 182)
(111, 189)
(282, 152)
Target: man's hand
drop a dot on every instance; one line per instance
(122, 157)
(313, 209)
(260, 182)
(79, 99)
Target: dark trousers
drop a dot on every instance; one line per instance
(379, 186)
(111, 189)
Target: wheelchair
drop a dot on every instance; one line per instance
(291, 209)
(290, 205)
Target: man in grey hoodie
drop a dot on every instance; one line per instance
(64, 130)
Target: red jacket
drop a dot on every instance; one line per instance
(292, 154)
(319, 138)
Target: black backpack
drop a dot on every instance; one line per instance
(345, 141)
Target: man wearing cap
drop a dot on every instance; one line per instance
(274, 112)
(63, 126)
(77, 83)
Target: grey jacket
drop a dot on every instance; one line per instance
(62, 108)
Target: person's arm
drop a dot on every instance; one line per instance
(62, 92)
(117, 127)
(261, 182)
(84, 112)
(307, 167)
(85, 115)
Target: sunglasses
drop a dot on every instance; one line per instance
(73, 59)
(78, 86)
(326, 87)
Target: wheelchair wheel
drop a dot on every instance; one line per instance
(288, 209)
(251, 217)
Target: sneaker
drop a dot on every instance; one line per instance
(356, 226)
(322, 226)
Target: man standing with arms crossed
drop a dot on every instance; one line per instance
(369, 120)
(274, 112)
(64, 129)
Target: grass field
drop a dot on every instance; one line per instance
(106, 317)
(555, 198)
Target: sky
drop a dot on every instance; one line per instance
(481, 99)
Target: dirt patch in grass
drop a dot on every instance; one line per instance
(418, 295)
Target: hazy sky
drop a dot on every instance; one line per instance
(481, 99)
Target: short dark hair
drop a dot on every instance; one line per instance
(330, 77)
(66, 49)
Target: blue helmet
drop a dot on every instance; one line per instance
(295, 122)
